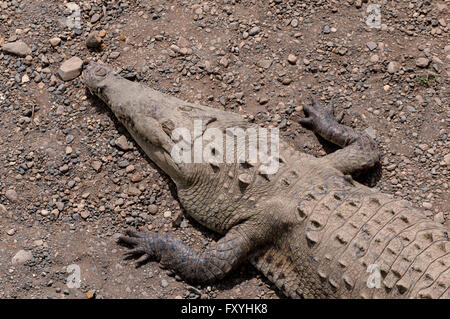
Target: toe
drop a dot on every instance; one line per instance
(306, 122)
(128, 240)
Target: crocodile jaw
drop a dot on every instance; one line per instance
(141, 110)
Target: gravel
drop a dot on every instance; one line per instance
(60, 143)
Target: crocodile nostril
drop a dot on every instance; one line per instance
(100, 72)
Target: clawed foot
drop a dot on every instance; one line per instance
(317, 115)
(137, 241)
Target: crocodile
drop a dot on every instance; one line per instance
(308, 227)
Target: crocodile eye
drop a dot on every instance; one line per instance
(100, 72)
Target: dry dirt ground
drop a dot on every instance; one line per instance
(68, 186)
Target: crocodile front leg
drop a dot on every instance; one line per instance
(212, 264)
(359, 150)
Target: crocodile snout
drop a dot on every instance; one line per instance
(94, 74)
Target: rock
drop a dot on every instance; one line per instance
(263, 100)
(25, 79)
(326, 29)
(122, 143)
(90, 294)
(371, 45)
(374, 58)
(85, 214)
(447, 159)
(167, 214)
(286, 81)
(69, 149)
(422, 62)
(152, 209)
(11, 195)
(175, 48)
(393, 67)
(94, 40)
(11, 232)
(133, 190)
(164, 283)
(55, 41)
(185, 51)
(21, 257)
(427, 205)
(224, 62)
(123, 164)
(129, 169)
(3, 210)
(371, 132)
(294, 23)
(265, 63)
(223, 100)
(60, 206)
(342, 51)
(198, 11)
(114, 55)
(60, 110)
(439, 218)
(45, 212)
(254, 31)
(95, 17)
(184, 224)
(423, 147)
(183, 43)
(19, 48)
(178, 218)
(38, 243)
(292, 59)
(136, 177)
(70, 69)
(96, 165)
(119, 202)
(69, 138)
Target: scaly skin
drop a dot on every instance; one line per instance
(309, 228)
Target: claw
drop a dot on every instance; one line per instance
(135, 234)
(128, 240)
(331, 107)
(315, 101)
(306, 122)
(132, 252)
(307, 109)
(142, 260)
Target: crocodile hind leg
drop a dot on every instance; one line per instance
(211, 264)
(359, 151)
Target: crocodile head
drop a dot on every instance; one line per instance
(144, 114)
(162, 125)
